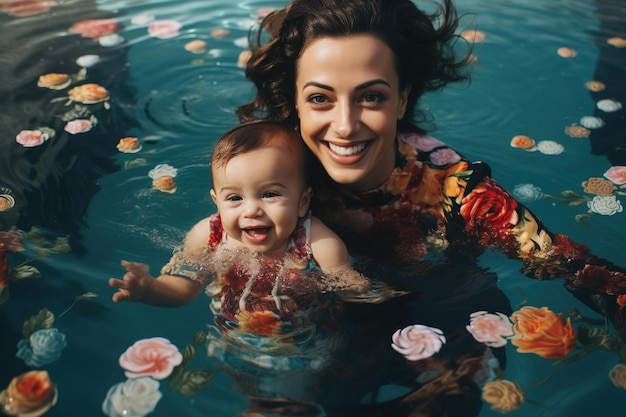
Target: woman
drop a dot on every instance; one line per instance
(348, 74)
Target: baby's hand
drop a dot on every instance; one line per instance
(135, 285)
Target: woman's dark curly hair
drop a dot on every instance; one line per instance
(422, 44)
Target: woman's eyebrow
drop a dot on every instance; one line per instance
(358, 87)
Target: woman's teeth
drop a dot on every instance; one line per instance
(346, 150)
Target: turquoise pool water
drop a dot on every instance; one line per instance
(80, 187)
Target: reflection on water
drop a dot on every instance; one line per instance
(176, 95)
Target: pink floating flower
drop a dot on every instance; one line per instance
(617, 174)
(491, 329)
(31, 138)
(417, 342)
(422, 142)
(155, 357)
(164, 29)
(78, 126)
(95, 28)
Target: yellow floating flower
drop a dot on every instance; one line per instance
(503, 396)
(598, 186)
(54, 81)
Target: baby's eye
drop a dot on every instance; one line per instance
(270, 194)
(233, 198)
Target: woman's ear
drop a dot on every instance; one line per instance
(305, 202)
(404, 99)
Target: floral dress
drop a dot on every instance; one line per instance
(437, 212)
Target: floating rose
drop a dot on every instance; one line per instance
(79, 126)
(524, 142)
(87, 61)
(129, 145)
(29, 395)
(618, 375)
(576, 131)
(196, 46)
(473, 36)
(598, 186)
(94, 28)
(542, 332)
(164, 29)
(549, 147)
(527, 193)
(155, 357)
(503, 396)
(591, 122)
(417, 342)
(566, 52)
(606, 205)
(617, 42)
(132, 398)
(617, 174)
(607, 105)
(31, 138)
(595, 86)
(54, 81)
(44, 346)
(88, 94)
(491, 329)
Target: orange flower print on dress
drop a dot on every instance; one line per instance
(503, 396)
(598, 186)
(542, 332)
(30, 394)
(618, 375)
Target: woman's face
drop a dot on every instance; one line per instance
(348, 102)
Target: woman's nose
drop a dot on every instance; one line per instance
(346, 120)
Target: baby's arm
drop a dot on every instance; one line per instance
(167, 290)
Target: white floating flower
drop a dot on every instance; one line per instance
(527, 193)
(162, 170)
(608, 105)
(550, 147)
(241, 42)
(142, 19)
(591, 122)
(110, 40)
(606, 205)
(87, 61)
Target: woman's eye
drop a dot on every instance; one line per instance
(318, 99)
(373, 98)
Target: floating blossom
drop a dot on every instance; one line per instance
(129, 145)
(576, 131)
(598, 186)
(417, 342)
(606, 205)
(618, 375)
(607, 105)
(155, 357)
(491, 329)
(44, 346)
(542, 332)
(29, 395)
(79, 126)
(503, 396)
(94, 28)
(566, 52)
(31, 138)
(132, 398)
(54, 81)
(527, 193)
(549, 147)
(164, 29)
(197, 46)
(87, 61)
(473, 36)
(591, 122)
(617, 42)
(617, 174)
(110, 40)
(162, 170)
(595, 86)
(524, 142)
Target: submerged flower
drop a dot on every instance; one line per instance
(542, 332)
(618, 375)
(617, 174)
(44, 346)
(54, 81)
(598, 186)
(503, 396)
(88, 93)
(523, 142)
(607, 105)
(164, 29)
(491, 329)
(595, 86)
(473, 36)
(591, 122)
(94, 28)
(155, 357)
(549, 147)
(575, 131)
(132, 398)
(417, 342)
(527, 193)
(29, 395)
(606, 205)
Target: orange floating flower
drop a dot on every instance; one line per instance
(220, 33)
(595, 86)
(129, 145)
(30, 394)
(617, 42)
(618, 375)
(473, 36)
(576, 131)
(88, 93)
(566, 52)
(6, 202)
(598, 186)
(196, 46)
(523, 142)
(165, 184)
(54, 81)
(542, 332)
(503, 396)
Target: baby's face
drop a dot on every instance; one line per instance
(260, 195)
